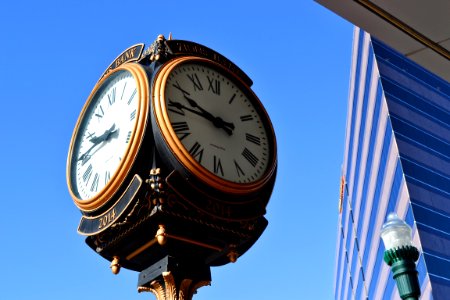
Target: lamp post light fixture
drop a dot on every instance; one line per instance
(401, 255)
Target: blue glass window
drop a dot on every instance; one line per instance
(368, 173)
(378, 186)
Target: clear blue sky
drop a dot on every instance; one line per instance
(52, 53)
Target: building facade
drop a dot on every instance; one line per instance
(396, 159)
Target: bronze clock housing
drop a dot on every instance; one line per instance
(172, 155)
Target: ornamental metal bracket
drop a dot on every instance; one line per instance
(156, 193)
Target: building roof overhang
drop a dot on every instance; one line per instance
(418, 29)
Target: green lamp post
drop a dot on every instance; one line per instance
(401, 255)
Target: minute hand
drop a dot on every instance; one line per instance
(217, 121)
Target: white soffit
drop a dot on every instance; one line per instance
(416, 28)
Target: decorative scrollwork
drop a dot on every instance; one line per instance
(156, 288)
(167, 289)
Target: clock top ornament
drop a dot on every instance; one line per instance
(172, 139)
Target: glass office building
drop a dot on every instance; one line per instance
(397, 159)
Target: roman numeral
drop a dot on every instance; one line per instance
(214, 85)
(112, 96)
(180, 126)
(197, 152)
(94, 185)
(107, 177)
(181, 129)
(232, 99)
(123, 91)
(89, 135)
(177, 85)
(250, 157)
(87, 173)
(100, 113)
(218, 166)
(253, 139)
(195, 81)
(133, 115)
(238, 169)
(132, 96)
(246, 118)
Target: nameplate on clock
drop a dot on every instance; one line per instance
(131, 54)
(94, 225)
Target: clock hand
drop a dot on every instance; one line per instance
(97, 140)
(208, 115)
(105, 136)
(180, 106)
(217, 121)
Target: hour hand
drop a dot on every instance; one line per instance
(97, 140)
(105, 136)
(217, 121)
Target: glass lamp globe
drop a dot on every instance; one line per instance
(395, 233)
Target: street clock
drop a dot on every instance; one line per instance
(172, 140)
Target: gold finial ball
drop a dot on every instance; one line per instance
(115, 266)
(232, 256)
(161, 235)
(115, 269)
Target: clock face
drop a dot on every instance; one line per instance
(218, 122)
(105, 136)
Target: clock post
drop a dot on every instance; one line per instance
(172, 163)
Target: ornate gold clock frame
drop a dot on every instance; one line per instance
(165, 214)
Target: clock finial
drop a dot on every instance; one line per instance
(159, 48)
(115, 266)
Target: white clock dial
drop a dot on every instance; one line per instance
(104, 134)
(219, 124)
